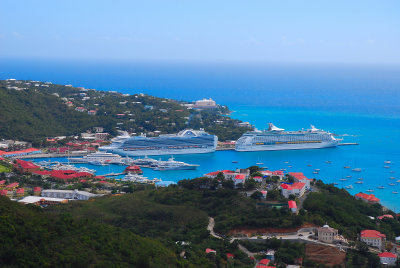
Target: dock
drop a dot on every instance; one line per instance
(347, 143)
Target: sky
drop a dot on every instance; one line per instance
(356, 31)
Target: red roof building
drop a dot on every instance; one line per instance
(386, 216)
(3, 192)
(25, 166)
(20, 192)
(373, 238)
(36, 191)
(12, 186)
(387, 258)
(263, 263)
(369, 198)
(296, 189)
(299, 177)
(20, 152)
(133, 169)
(230, 256)
(292, 205)
(209, 250)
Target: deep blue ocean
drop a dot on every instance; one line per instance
(361, 102)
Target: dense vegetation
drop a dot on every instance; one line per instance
(340, 210)
(33, 238)
(34, 112)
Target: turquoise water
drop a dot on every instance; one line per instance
(360, 101)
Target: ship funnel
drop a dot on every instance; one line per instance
(271, 127)
(313, 128)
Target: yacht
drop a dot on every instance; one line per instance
(370, 190)
(171, 164)
(349, 187)
(359, 182)
(381, 187)
(98, 157)
(357, 169)
(387, 162)
(132, 177)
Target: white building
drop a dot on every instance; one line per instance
(297, 189)
(327, 234)
(388, 258)
(373, 238)
(68, 194)
(205, 104)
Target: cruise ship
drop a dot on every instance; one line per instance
(187, 141)
(278, 139)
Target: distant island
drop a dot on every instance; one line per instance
(33, 111)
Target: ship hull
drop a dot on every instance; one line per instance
(279, 147)
(157, 152)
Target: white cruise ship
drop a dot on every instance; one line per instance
(187, 141)
(278, 139)
(98, 157)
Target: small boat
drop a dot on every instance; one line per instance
(348, 176)
(349, 187)
(283, 169)
(387, 162)
(328, 162)
(359, 182)
(290, 166)
(392, 184)
(356, 169)
(264, 167)
(317, 169)
(343, 179)
(392, 178)
(360, 179)
(370, 190)
(259, 163)
(315, 172)
(395, 192)
(346, 167)
(386, 166)
(381, 187)
(286, 162)
(234, 161)
(398, 181)
(309, 165)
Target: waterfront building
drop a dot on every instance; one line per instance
(37, 191)
(369, 198)
(20, 192)
(29, 151)
(387, 258)
(42, 201)
(373, 238)
(327, 234)
(68, 194)
(297, 189)
(205, 104)
(25, 166)
(299, 177)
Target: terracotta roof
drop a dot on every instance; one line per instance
(368, 197)
(229, 255)
(2, 182)
(3, 192)
(37, 189)
(385, 216)
(372, 234)
(20, 191)
(209, 250)
(240, 177)
(292, 204)
(387, 255)
(298, 185)
(26, 164)
(12, 185)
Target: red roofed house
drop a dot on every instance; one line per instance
(386, 216)
(3, 192)
(2, 184)
(12, 186)
(37, 191)
(20, 192)
(25, 166)
(373, 238)
(369, 198)
(299, 177)
(292, 206)
(257, 179)
(230, 256)
(296, 189)
(209, 250)
(263, 263)
(264, 193)
(388, 258)
(239, 178)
